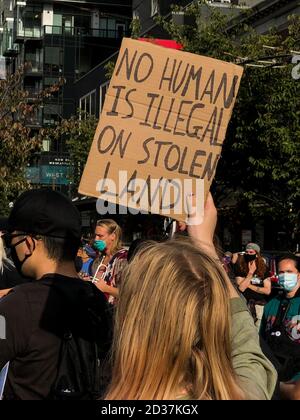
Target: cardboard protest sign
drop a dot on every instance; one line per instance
(162, 127)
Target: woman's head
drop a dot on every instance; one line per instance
(252, 253)
(173, 327)
(109, 233)
(3, 257)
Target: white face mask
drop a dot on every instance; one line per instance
(288, 281)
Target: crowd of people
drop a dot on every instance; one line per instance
(87, 318)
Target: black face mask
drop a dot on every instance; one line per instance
(13, 254)
(249, 257)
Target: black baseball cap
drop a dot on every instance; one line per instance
(45, 212)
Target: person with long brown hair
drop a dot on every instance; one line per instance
(181, 330)
(253, 280)
(112, 258)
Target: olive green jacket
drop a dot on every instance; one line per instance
(256, 375)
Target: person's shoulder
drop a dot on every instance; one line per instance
(71, 289)
(23, 289)
(17, 301)
(39, 289)
(297, 295)
(272, 303)
(26, 292)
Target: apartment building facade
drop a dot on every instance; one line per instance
(56, 40)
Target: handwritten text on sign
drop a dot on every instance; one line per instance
(162, 128)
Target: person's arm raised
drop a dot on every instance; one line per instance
(256, 375)
(202, 228)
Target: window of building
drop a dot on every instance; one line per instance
(111, 28)
(32, 21)
(52, 113)
(68, 25)
(46, 145)
(32, 86)
(53, 60)
(66, 22)
(120, 30)
(87, 104)
(83, 21)
(136, 14)
(50, 81)
(154, 7)
(33, 57)
(57, 25)
(103, 90)
(2, 68)
(34, 119)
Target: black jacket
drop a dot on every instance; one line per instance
(36, 315)
(9, 277)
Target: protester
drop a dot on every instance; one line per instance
(44, 238)
(280, 326)
(182, 332)
(112, 259)
(86, 261)
(227, 258)
(235, 257)
(253, 280)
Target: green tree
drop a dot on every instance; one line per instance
(18, 142)
(259, 169)
(77, 134)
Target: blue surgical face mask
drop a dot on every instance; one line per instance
(100, 245)
(288, 281)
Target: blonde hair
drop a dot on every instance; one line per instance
(112, 227)
(3, 257)
(172, 327)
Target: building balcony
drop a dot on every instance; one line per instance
(86, 32)
(114, 3)
(31, 33)
(38, 33)
(9, 49)
(33, 68)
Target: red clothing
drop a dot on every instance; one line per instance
(112, 273)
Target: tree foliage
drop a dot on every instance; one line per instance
(259, 169)
(18, 141)
(77, 134)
